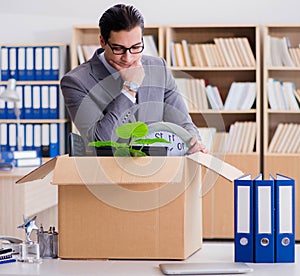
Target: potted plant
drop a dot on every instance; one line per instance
(134, 133)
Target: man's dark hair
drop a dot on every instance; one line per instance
(118, 18)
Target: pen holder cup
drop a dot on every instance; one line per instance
(29, 252)
(48, 244)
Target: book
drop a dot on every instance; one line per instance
(297, 94)
(206, 49)
(183, 90)
(219, 143)
(240, 53)
(289, 88)
(247, 134)
(248, 100)
(248, 50)
(273, 97)
(275, 137)
(223, 49)
(238, 93)
(211, 98)
(207, 136)
(150, 47)
(180, 61)
(88, 51)
(194, 56)
(284, 138)
(200, 55)
(295, 141)
(285, 54)
(290, 136)
(196, 96)
(231, 51)
(6, 255)
(294, 56)
(186, 53)
(173, 54)
(202, 91)
(252, 138)
(80, 54)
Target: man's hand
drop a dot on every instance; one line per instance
(196, 146)
(135, 72)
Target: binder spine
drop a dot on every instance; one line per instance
(285, 220)
(243, 220)
(264, 240)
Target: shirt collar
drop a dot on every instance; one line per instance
(114, 72)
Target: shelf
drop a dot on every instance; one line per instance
(271, 111)
(283, 68)
(212, 112)
(193, 68)
(34, 121)
(54, 82)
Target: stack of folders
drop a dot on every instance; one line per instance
(26, 158)
(264, 219)
(6, 256)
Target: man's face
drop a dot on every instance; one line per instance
(126, 39)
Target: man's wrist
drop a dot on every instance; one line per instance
(131, 86)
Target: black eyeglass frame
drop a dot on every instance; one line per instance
(124, 49)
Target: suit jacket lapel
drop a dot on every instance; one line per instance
(98, 70)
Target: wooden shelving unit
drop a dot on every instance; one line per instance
(63, 65)
(218, 195)
(281, 162)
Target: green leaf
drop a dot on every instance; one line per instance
(140, 130)
(137, 129)
(107, 144)
(150, 141)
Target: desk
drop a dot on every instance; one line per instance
(211, 252)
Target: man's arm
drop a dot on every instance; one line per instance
(96, 112)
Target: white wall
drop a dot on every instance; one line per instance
(30, 21)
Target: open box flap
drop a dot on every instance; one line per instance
(217, 165)
(122, 170)
(79, 170)
(40, 172)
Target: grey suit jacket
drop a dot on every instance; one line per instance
(96, 105)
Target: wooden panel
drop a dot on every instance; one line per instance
(218, 197)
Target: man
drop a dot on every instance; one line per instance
(119, 85)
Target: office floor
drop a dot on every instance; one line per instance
(211, 252)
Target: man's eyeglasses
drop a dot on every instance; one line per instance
(121, 50)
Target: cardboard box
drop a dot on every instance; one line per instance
(124, 208)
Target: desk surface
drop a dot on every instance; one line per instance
(211, 252)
